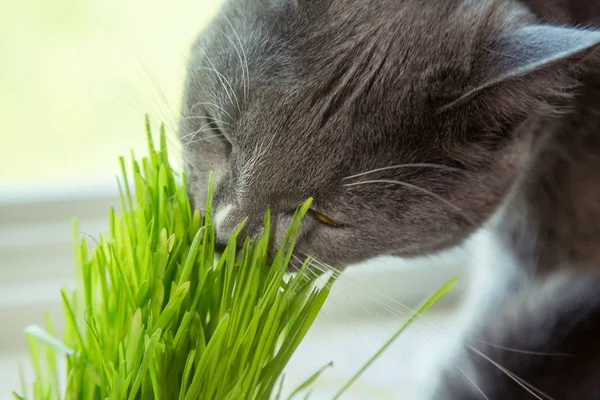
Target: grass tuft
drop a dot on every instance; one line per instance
(156, 316)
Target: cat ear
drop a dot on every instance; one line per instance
(518, 56)
(536, 47)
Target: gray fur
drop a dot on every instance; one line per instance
(482, 101)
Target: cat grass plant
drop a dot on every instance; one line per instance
(157, 316)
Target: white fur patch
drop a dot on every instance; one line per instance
(492, 265)
(221, 216)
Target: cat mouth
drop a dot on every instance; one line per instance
(297, 259)
(296, 263)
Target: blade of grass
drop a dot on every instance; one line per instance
(163, 319)
(44, 337)
(424, 307)
(304, 385)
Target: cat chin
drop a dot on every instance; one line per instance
(438, 246)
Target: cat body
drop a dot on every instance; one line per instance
(413, 124)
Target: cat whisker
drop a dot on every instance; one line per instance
(156, 99)
(224, 82)
(528, 352)
(295, 257)
(314, 274)
(188, 143)
(310, 270)
(331, 301)
(161, 102)
(245, 60)
(174, 144)
(235, 47)
(460, 211)
(200, 130)
(527, 386)
(472, 382)
(205, 117)
(324, 268)
(393, 304)
(412, 165)
(296, 264)
(532, 390)
(206, 103)
(192, 135)
(203, 128)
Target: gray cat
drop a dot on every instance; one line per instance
(413, 124)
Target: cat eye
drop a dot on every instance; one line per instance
(323, 218)
(219, 132)
(215, 128)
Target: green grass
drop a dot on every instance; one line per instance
(157, 316)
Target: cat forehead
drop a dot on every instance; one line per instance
(251, 45)
(326, 23)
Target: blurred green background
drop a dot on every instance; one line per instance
(77, 77)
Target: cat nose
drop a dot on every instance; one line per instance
(219, 225)
(226, 222)
(221, 217)
(224, 225)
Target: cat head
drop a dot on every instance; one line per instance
(407, 121)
